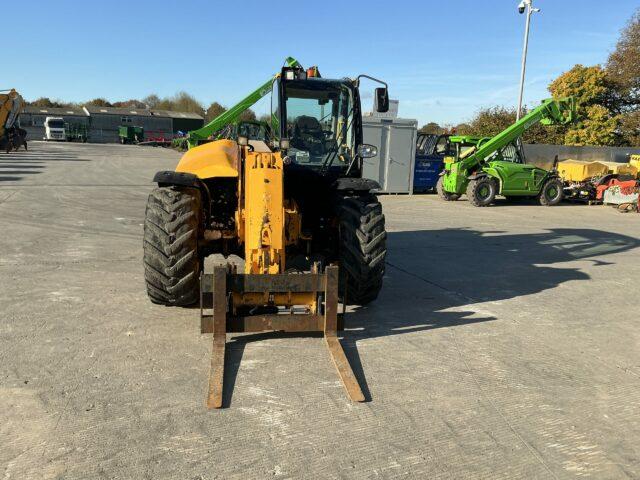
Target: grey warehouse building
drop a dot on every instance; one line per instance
(32, 119)
(103, 122)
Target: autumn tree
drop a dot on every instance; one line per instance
(630, 128)
(99, 102)
(432, 127)
(248, 116)
(151, 101)
(488, 122)
(214, 110)
(623, 71)
(596, 123)
(623, 65)
(462, 129)
(132, 103)
(46, 102)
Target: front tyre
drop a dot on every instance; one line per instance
(171, 261)
(363, 247)
(551, 193)
(481, 192)
(443, 194)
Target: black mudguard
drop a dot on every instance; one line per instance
(167, 178)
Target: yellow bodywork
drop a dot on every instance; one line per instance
(621, 168)
(11, 104)
(263, 213)
(265, 222)
(579, 170)
(211, 160)
(635, 161)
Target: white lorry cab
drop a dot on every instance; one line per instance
(54, 129)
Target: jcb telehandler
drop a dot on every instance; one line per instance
(294, 207)
(11, 136)
(486, 170)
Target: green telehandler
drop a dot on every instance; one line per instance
(497, 166)
(195, 137)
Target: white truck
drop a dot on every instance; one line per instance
(54, 129)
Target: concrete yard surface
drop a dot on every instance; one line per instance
(505, 344)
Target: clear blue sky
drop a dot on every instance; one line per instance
(442, 59)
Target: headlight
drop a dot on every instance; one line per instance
(367, 151)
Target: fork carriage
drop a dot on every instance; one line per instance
(321, 315)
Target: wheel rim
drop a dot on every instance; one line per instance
(484, 192)
(552, 192)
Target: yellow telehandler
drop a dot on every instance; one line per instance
(294, 206)
(11, 136)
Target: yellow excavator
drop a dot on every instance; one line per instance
(11, 136)
(294, 206)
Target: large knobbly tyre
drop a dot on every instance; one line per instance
(551, 193)
(447, 196)
(481, 192)
(363, 247)
(171, 261)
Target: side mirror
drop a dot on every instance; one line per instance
(382, 100)
(367, 151)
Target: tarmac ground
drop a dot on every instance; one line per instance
(504, 344)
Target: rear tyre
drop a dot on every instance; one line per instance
(551, 193)
(171, 261)
(363, 247)
(444, 195)
(481, 192)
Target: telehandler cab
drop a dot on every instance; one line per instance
(295, 208)
(497, 166)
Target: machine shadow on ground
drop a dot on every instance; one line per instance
(435, 277)
(14, 165)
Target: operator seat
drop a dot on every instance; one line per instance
(308, 135)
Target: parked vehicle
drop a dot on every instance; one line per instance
(485, 171)
(76, 132)
(130, 134)
(11, 136)
(54, 129)
(433, 151)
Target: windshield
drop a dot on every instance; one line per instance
(320, 122)
(253, 131)
(56, 124)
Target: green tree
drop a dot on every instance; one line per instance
(99, 102)
(462, 129)
(248, 116)
(596, 124)
(184, 102)
(214, 110)
(432, 127)
(623, 65)
(46, 102)
(588, 85)
(596, 127)
(488, 122)
(151, 101)
(180, 102)
(630, 128)
(132, 103)
(623, 71)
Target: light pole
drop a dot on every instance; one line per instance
(528, 6)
